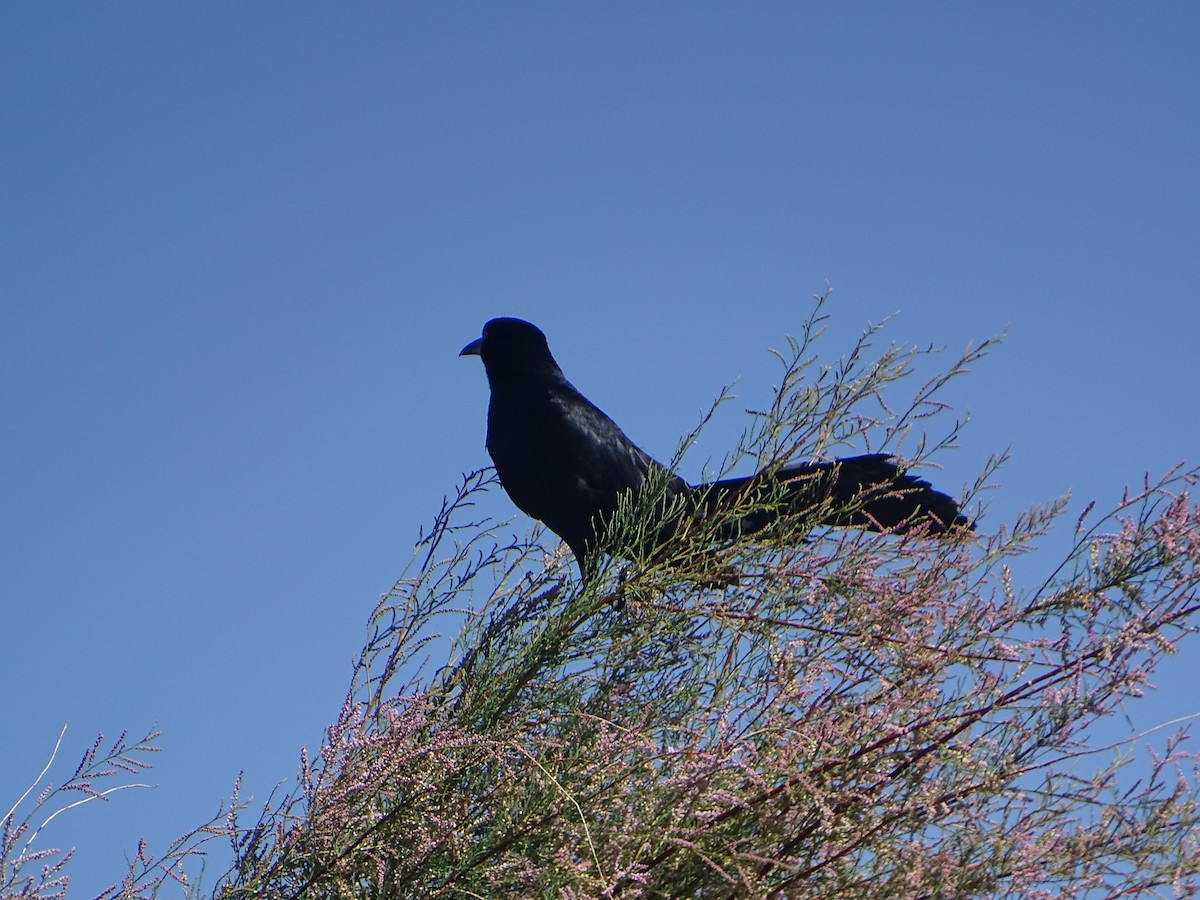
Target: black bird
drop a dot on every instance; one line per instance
(566, 463)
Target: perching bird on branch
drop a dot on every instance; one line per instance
(567, 464)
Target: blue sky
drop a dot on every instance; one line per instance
(243, 243)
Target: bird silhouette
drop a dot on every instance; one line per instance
(564, 462)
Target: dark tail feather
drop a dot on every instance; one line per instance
(871, 492)
(868, 492)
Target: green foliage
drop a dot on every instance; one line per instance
(816, 713)
(813, 713)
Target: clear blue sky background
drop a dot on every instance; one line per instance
(243, 243)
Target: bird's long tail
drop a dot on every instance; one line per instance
(868, 492)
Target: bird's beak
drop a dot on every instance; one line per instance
(472, 349)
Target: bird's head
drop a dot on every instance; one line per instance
(511, 347)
